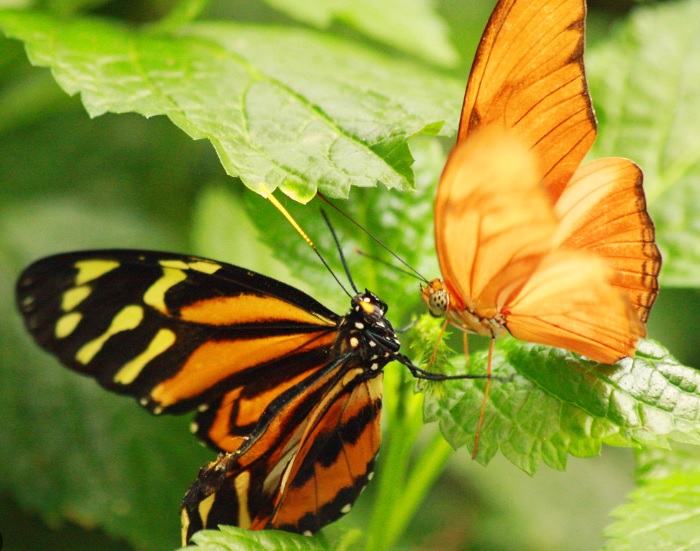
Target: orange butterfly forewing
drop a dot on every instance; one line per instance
(528, 76)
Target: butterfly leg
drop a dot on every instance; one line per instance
(439, 340)
(465, 343)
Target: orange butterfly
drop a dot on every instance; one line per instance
(528, 241)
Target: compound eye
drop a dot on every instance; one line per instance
(438, 303)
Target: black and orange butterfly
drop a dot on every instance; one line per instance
(288, 390)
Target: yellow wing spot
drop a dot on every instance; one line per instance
(163, 340)
(185, 522)
(73, 297)
(177, 264)
(155, 295)
(67, 324)
(92, 269)
(128, 318)
(205, 267)
(242, 483)
(204, 509)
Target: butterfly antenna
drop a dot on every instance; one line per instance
(306, 238)
(411, 269)
(387, 264)
(340, 250)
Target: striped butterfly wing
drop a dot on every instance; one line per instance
(290, 391)
(528, 77)
(313, 449)
(177, 332)
(297, 480)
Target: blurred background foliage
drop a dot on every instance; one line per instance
(70, 182)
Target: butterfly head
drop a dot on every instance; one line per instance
(436, 298)
(371, 334)
(369, 306)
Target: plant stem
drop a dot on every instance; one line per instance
(425, 472)
(404, 425)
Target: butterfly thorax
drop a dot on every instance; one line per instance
(441, 302)
(367, 333)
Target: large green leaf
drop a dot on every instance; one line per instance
(663, 513)
(258, 94)
(559, 403)
(412, 26)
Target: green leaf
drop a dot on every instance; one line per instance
(411, 26)
(645, 83)
(230, 537)
(331, 130)
(559, 403)
(664, 511)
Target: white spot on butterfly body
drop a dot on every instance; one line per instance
(354, 342)
(194, 427)
(346, 508)
(359, 325)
